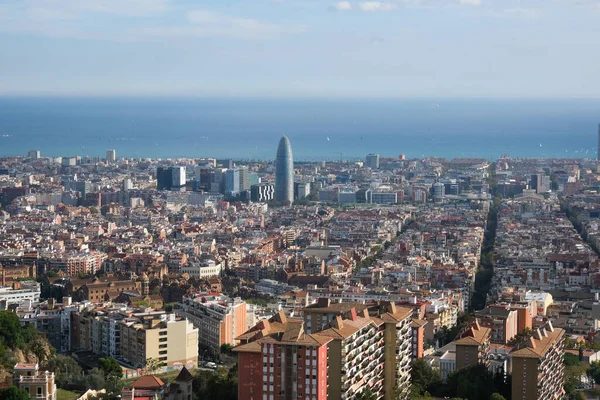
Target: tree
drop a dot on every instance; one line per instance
(580, 396)
(226, 348)
(424, 378)
(66, 368)
(10, 330)
(95, 379)
(472, 383)
(571, 359)
(497, 396)
(153, 364)
(110, 368)
(366, 394)
(14, 393)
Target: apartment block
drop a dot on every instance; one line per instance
(417, 327)
(219, 319)
(473, 346)
(537, 365)
(398, 350)
(278, 360)
(356, 356)
(501, 320)
(172, 341)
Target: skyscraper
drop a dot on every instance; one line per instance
(170, 177)
(111, 156)
(372, 161)
(284, 171)
(598, 142)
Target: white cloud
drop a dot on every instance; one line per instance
(470, 2)
(594, 4)
(342, 6)
(370, 6)
(525, 13)
(204, 23)
(132, 8)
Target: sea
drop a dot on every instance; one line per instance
(318, 128)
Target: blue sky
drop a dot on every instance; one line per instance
(394, 48)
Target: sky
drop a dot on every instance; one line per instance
(271, 48)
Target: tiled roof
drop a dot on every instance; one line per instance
(148, 382)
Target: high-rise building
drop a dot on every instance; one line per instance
(392, 371)
(244, 178)
(172, 341)
(536, 183)
(372, 161)
(279, 360)
(284, 172)
(170, 177)
(262, 192)
(127, 184)
(473, 347)
(33, 154)
(537, 365)
(111, 156)
(232, 181)
(219, 319)
(598, 142)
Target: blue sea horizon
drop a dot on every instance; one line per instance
(319, 128)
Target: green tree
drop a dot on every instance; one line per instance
(366, 394)
(226, 348)
(571, 359)
(580, 396)
(13, 393)
(110, 368)
(424, 378)
(472, 383)
(10, 330)
(497, 396)
(66, 368)
(95, 379)
(153, 364)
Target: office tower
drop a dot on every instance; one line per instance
(537, 365)
(598, 150)
(127, 184)
(69, 161)
(178, 177)
(244, 178)
(111, 156)
(536, 183)
(33, 154)
(225, 163)
(170, 178)
(372, 161)
(83, 187)
(301, 190)
(262, 193)
(232, 181)
(164, 178)
(439, 191)
(284, 172)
